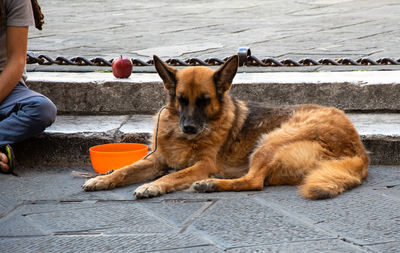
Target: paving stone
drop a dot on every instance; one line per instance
(386, 247)
(382, 176)
(205, 249)
(328, 246)
(10, 190)
(384, 181)
(56, 215)
(4, 206)
(98, 217)
(115, 194)
(47, 183)
(359, 215)
(19, 226)
(176, 211)
(390, 191)
(258, 224)
(104, 243)
(165, 51)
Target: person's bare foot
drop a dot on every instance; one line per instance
(3, 162)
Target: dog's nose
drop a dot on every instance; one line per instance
(189, 129)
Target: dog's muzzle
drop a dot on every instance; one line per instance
(190, 129)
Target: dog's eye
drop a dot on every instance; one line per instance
(203, 101)
(182, 100)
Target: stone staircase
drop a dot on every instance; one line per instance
(96, 108)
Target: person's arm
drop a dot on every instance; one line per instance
(17, 40)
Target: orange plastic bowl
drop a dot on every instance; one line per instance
(116, 155)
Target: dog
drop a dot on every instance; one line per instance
(205, 134)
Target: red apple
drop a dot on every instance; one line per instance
(122, 67)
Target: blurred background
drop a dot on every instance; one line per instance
(271, 28)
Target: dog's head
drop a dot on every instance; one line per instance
(196, 93)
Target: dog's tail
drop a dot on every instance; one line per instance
(333, 177)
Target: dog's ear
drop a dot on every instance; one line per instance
(223, 77)
(166, 73)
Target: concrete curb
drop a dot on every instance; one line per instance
(143, 93)
(67, 142)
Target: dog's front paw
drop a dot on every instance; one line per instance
(148, 191)
(98, 183)
(208, 185)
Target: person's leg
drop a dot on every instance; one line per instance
(25, 119)
(23, 114)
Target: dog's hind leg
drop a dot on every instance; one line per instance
(253, 180)
(283, 165)
(333, 177)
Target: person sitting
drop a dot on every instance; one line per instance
(23, 112)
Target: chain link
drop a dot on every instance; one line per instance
(245, 58)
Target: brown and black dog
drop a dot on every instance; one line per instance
(204, 132)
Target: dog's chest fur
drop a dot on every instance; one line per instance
(180, 155)
(178, 152)
(229, 145)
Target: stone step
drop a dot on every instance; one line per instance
(143, 93)
(68, 140)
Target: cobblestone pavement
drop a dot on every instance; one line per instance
(45, 210)
(274, 28)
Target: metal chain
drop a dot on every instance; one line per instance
(245, 58)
